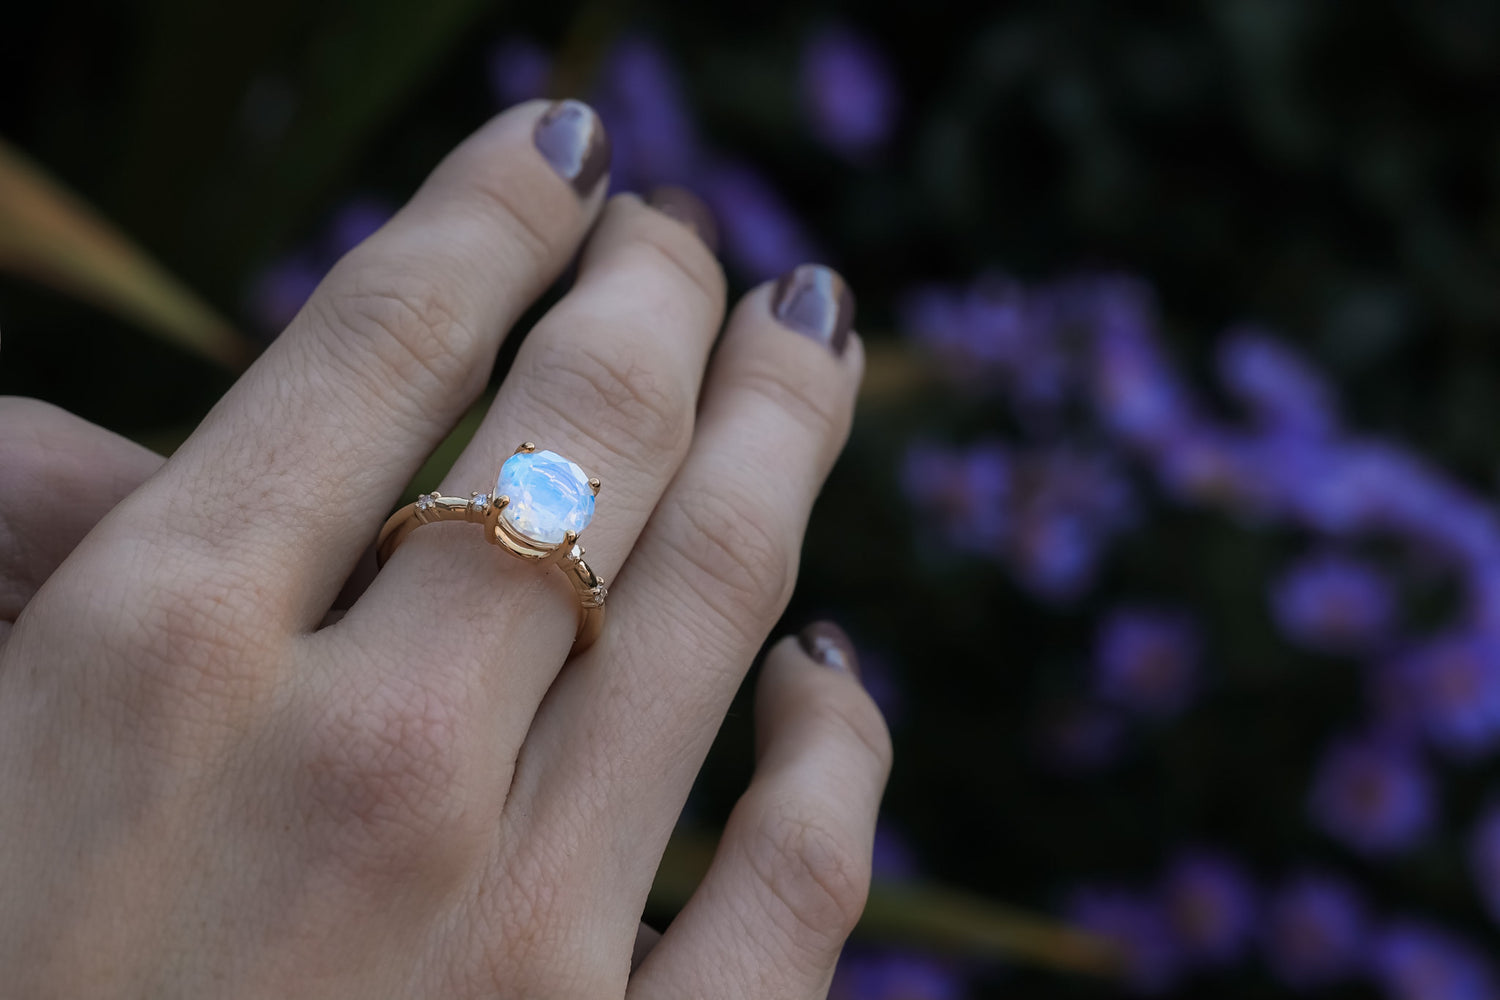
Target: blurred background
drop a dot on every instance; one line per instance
(1168, 530)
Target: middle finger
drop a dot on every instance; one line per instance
(608, 379)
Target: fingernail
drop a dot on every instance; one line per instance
(688, 209)
(828, 644)
(572, 139)
(815, 301)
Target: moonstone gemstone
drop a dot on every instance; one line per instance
(549, 495)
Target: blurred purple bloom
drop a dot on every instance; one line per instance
(848, 91)
(761, 235)
(1147, 660)
(653, 137)
(1081, 737)
(1136, 925)
(1137, 393)
(1415, 961)
(895, 975)
(1315, 931)
(1372, 794)
(1218, 467)
(1069, 504)
(1484, 858)
(518, 70)
(968, 490)
(977, 330)
(1211, 906)
(999, 336)
(281, 290)
(1279, 388)
(1455, 680)
(1334, 603)
(354, 222)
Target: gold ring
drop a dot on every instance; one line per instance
(540, 505)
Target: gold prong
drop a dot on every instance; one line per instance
(595, 485)
(500, 501)
(569, 537)
(527, 447)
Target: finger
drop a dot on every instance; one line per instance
(790, 877)
(59, 474)
(609, 379)
(631, 720)
(288, 477)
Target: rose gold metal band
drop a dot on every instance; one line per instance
(567, 555)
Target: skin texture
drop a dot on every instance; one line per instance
(204, 793)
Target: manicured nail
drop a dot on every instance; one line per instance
(814, 301)
(688, 209)
(572, 139)
(828, 644)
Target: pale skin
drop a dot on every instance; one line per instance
(211, 787)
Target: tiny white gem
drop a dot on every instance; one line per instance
(478, 502)
(424, 501)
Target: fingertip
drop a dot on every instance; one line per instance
(829, 646)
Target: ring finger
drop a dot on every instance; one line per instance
(609, 379)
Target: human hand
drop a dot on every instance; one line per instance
(204, 794)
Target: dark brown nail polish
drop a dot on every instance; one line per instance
(572, 139)
(829, 645)
(815, 301)
(688, 209)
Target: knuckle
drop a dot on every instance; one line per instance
(849, 717)
(728, 554)
(395, 327)
(800, 392)
(684, 256)
(609, 393)
(389, 784)
(816, 880)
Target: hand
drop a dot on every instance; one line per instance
(203, 794)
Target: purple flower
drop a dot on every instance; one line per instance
(1214, 466)
(969, 491)
(1136, 392)
(1068, 504)
(1211, 905)
(518, 70)
(651, 130)
(1315, 931)
(1147, 660)
(1412, 960)
(1455, 680)
(1484, 858)
(848, 91)
(895, 975)
(761, 235)
(1136, 925)
(1281, 391)
(1372, 794)
(1334, 603)
(1080, 737)
(281, 290)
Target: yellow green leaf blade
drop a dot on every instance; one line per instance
(51, 236)
(917, 914)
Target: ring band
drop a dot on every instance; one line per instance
(540, 504)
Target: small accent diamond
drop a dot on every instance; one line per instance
(425, 501)
(479, 502)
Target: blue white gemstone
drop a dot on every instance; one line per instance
(549, 496)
